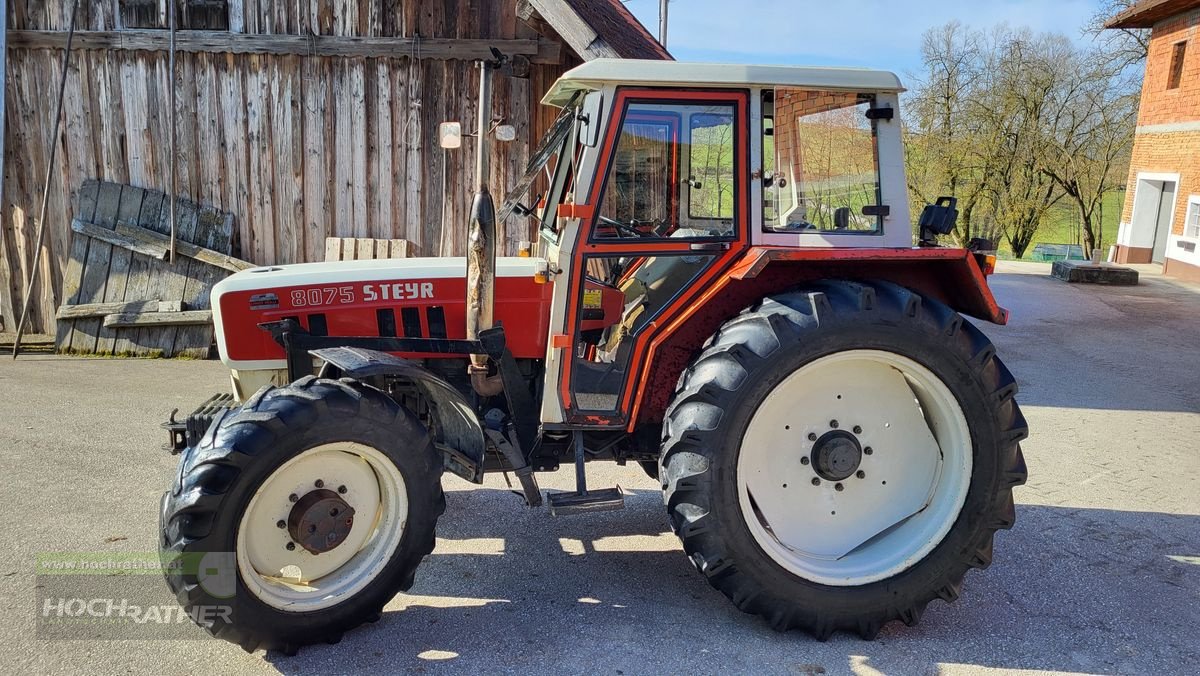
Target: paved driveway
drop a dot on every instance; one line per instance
(1100, 574)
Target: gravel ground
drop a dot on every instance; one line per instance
(1101, 573)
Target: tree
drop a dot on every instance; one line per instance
(1093, 124)
(1011, 122)
(1120, 47)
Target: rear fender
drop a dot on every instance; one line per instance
(461, 433)
(952, 276)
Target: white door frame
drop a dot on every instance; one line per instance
(1139, 235)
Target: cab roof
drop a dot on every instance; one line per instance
(597, 73)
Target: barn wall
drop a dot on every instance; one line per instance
(297, 147)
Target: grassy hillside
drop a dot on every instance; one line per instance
(1062, 226)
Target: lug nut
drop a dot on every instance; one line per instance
(833, 424)
(342, 490)
(333, 512)
(803, 461)
(312, 529)
(291, 546)
(293, 497)
(816, 481)
(812, 436)
(857, 429)
(839, 487)
(860, 474)
(280, 524)
(868, 450)
(319, 483)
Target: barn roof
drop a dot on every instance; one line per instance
(1149, 12)
(595, 74)
(595, 29)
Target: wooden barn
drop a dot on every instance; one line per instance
(298, 119)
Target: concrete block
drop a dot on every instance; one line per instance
(1083, 272)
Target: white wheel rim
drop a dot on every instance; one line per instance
(297, 580)
(914, 484)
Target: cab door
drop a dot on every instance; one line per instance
(672, 210)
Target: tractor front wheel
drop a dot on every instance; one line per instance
(838, 457)
(299, 516)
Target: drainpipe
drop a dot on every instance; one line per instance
(481, 242)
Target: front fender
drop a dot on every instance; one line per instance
(461, 433)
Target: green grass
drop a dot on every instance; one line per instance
(1061, 226)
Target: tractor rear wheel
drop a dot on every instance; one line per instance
(838, 457)
(299, 516)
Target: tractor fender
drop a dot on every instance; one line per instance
(460, 432)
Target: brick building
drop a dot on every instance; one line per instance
(1161, 219)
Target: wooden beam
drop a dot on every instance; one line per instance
(220, 42)
(157, 239)
(130, 307)
(581, 36)
(119, 239)
(126, 320)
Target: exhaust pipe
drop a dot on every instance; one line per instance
(481, 243)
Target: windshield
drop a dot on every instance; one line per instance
(544, 171)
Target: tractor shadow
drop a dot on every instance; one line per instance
(513, 590)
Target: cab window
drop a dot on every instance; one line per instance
(671, 174)
(820, 165)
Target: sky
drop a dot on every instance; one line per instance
(882, 34)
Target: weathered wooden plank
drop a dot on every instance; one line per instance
(129, 206)
(358, 147)
(103, 309)
(214, 231)
(157, 319)
(288, 156)
(85, 332)
(467, 49)
(259, 132)
(167, 280)
(140, 268)
(76, 260)
(125, 240)
(202, 254)
(314, 86)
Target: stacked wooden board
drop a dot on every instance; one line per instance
(121, 294)
(361, 248)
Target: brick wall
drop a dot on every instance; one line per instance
(1160, 105)
(1173, 153)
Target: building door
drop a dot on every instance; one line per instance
(1153, 206)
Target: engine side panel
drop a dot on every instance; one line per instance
(407, 298)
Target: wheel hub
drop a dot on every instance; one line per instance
(320, 521)
(836, 455)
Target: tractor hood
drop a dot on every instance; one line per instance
(412, 297)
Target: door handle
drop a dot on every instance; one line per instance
(709, 246)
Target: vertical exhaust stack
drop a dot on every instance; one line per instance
(481, 240)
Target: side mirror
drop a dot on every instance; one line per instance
(450, 135)
(506, 133)
(590, 119)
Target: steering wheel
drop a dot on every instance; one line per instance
(623, 227)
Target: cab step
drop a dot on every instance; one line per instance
(583, 501)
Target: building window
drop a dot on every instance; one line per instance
(1178, 51)
(196, 15)
(1191, 224)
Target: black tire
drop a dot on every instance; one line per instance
(650, 467)
(717, 395)
(217, 478)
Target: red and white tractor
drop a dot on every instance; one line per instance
(725, 289)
